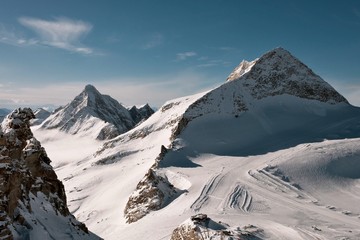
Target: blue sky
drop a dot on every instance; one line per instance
(153, 51)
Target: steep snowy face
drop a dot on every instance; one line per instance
(32, 199)
(92, 113)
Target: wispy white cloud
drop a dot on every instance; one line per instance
(154, 41)
(185, 55)
(61, 33)
(13, 37)
(213, 63)
(204, 65)
(227, 48)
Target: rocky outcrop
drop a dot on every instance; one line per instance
(200, 227)
(32, 199)
(152, 193)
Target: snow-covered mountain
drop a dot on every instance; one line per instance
(92, 113)
(274, 147)
(40, 115)
(32, 199)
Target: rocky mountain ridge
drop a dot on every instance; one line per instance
(32, 199)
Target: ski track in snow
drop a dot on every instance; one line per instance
(286, 198)
(206, 192)
(239, 198)
(272, 181)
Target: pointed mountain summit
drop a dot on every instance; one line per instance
(278, 72)
(91, 113)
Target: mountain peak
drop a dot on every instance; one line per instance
(90, 88)
(278, 72)
(93, 110)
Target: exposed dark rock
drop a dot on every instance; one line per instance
(26, 178)
(141, 114)
(201, 227)
(152, 193)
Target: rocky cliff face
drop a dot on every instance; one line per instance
(152, 193)
(32, 199)
(141, 114)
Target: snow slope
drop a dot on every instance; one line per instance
(275, 146)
